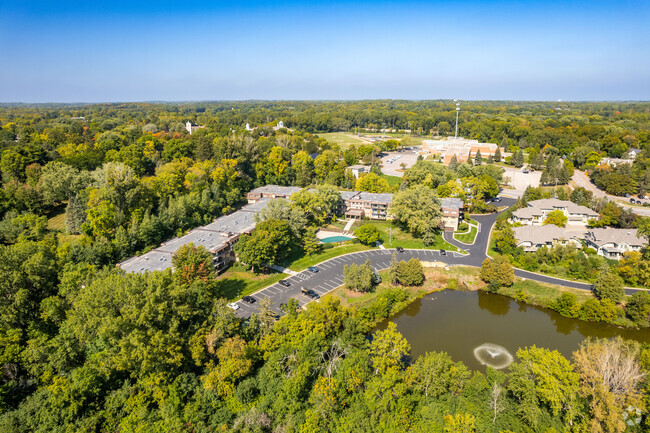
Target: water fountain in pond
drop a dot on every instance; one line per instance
(493, 355)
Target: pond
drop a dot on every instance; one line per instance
(459, 322)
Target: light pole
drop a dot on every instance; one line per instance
(457, 110)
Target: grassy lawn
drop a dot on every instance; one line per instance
(56, 218)
(393, 181)
(542, 294)
(302, 263)
(237, 282)
(467, 238)
(404, 239)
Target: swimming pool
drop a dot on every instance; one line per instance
(333, 239)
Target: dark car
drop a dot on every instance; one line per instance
(313, 269)
(399, 249)
(632, 200)
(309, 293)
(248, 299)
(443, 252)
(284, 283)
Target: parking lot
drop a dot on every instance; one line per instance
(330, 276)
(392, 162)
(520, 180)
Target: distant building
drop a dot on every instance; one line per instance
(613, 243)
(531, 238)
(357, 169)
(451, 212)
(190, 128)
(538, 210)
(463, 149)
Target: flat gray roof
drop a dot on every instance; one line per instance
(451, 203)
(383, 197)
(258, 205)
(275, 189)
(210, 240)
(237, 222)
(149, 262)
(348, 195)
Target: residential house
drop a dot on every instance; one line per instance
(538, 210)
(613, 243)
(531, 238)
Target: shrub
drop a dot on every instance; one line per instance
(410, 273)
(598, 311)
(638, 307)
(567, 305)
(609, 286)
(367, 234)
(497, 273)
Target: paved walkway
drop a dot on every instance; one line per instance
(348, 226)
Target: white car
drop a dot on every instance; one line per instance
(234, 306)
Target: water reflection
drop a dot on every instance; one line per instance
(499, 305)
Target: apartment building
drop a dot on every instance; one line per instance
(218, 237)
(452, 209)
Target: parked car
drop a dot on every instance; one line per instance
(248, 299)
(313, 269)
(443, 252)
(642, 196)
(284, 283)
(234, 306)
(627, 195)
(632, 200)
(399, 249)
(309, 293)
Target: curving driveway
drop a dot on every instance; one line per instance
(330, 275)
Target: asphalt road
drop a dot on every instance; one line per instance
(330, 274)
(583, 180)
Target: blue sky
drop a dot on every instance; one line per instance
(212, 50)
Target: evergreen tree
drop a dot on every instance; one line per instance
(453, 163)
(478, 159)
(497, 155)
(518, 159)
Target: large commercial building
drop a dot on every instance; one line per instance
(463, 149)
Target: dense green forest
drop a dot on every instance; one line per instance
(86, 347)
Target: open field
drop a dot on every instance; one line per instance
(343, 139)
